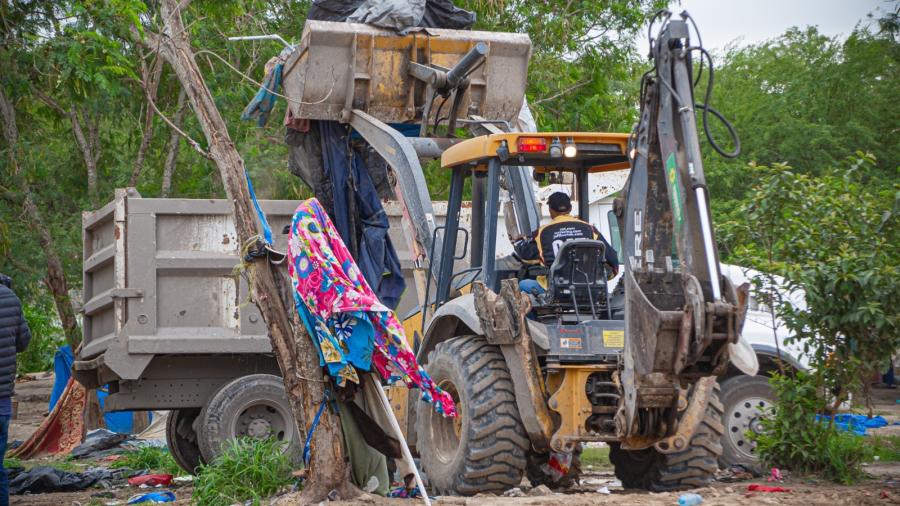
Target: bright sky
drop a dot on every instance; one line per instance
(752, 21)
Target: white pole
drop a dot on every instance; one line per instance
(386, 404)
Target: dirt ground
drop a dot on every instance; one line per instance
(883, 487)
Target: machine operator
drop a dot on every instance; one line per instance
(545, 242)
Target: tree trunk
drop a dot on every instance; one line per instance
(297, 358)
(150, 84)
(88, 144)
(174, 143)
(55, 278)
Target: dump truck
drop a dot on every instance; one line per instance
(168, 324)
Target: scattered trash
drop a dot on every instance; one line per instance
(756, 487)
(97, 441)
(334, 495)
(885, 495)
(151, 480)
(181, 480)
(514, 492)
(604, 490)
(557, 465)
(858, 424)
(775, 475)
(734, 473)
(45, 479)
(152, 497)
(690, 499)
(615, 483)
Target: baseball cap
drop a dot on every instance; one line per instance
(559, 202)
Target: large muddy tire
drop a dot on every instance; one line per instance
(694, 467)
(182, 439)
(483, 449)
(744, 399)
(251, 406)
(538, 476)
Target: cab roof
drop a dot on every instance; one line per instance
(595, 151)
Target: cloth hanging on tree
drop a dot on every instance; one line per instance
(344, 317)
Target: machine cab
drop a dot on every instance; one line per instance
(575, 309)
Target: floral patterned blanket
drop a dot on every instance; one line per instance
(352, 328)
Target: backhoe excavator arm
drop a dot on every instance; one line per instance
(681, 313)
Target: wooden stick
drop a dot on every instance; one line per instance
(386, 404)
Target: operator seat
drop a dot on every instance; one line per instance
(578, 277)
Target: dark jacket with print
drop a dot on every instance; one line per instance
(14, 338)
(546, 241)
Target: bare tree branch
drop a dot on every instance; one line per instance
(150, 83)
(565, 91)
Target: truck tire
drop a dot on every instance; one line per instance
(182, 439)
(694, 467)
(744, 399)
(251, 406)
(537, 476)
(483, 448)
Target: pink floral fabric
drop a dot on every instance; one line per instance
(351, 327)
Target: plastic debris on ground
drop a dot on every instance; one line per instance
(604, 490)
(97, 441)
(558, 465)
(756, 487)
(150, 480)
(858, 424)
(514, 492)
(734, 473)
(46, 479)
(690, 500)
(775, 475)
(152, 497)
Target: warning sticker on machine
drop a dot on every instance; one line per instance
(570, 343)
(614, 338)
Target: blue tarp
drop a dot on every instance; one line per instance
(120, 422)
(62, 371)
(858, 424)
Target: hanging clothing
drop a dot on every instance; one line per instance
(359, 217)
(352, 329)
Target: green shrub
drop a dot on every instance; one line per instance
(46, 337)
(155, 459)
(793, 440)
(248, 470)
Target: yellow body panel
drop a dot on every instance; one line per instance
(479, 150)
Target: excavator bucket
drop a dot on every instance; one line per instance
(339, 67)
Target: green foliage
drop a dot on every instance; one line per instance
(833, 239)
(885, 448)
(149, 457)
(792, 439)
(596, 457)
(12, 462)
(808, 101)
(46, 337)
(248, 470)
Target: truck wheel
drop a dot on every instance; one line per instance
(182, 440)
(744, 398)
(483, 448)
(537, 475)
(251, 406)
(694, 467)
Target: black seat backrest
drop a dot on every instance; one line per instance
(578, 277)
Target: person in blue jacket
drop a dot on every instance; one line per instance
(14, 338)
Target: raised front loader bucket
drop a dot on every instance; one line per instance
(338, 67)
